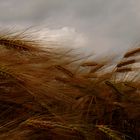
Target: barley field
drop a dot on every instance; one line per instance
(53, 94)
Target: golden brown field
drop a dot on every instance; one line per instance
(54, 94)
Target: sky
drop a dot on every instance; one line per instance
(100, 25)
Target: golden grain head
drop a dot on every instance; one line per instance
(125, 63)
(87, 64)
(132, 53)
(18, 43)
(124, 69)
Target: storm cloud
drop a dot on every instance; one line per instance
(103, 24)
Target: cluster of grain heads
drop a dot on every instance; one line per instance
(51, 94)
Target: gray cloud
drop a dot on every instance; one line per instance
(107, 23)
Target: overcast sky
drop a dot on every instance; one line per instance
(98, 24)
